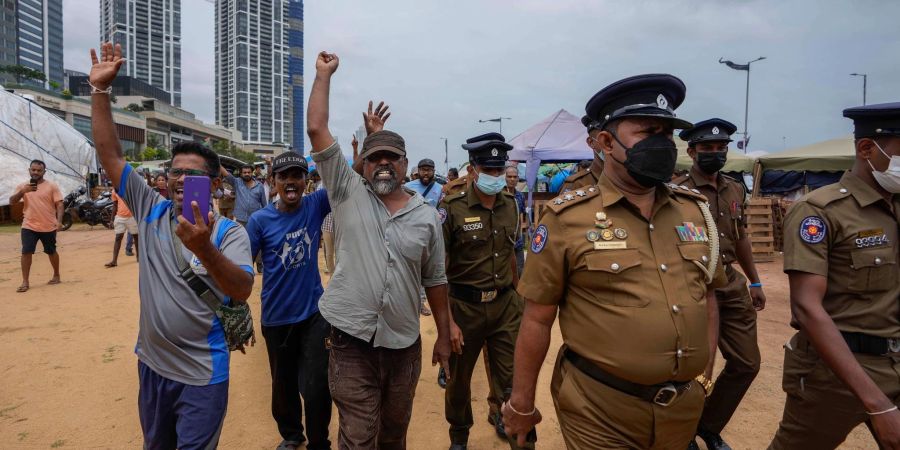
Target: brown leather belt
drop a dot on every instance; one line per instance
(662, 394)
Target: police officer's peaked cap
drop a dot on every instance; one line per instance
(651, 95)
(709, 130)
(488, 150)
(875, 120)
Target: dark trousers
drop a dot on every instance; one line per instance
(373, 388)
(495, 324)
(298, 360)
(737, 342)
(177, 415)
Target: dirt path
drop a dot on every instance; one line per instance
(68, 374)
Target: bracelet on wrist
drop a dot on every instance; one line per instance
(759, 285)
(877, 413)
(96, 90)
(533, 409)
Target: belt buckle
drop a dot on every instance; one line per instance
(665, 395)
(893, 345)
(488, 296)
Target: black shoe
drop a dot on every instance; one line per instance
(693, 445)
(288, 445)
(129, 252)
(497, 422)
(458, 447)
(442, 378)
(713, 441)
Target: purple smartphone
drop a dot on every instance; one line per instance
(196, 189)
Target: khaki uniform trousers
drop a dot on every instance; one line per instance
(820, 411)
(496, 325)
(737, 342)
(594, 416)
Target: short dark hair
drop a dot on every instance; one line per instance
(585, 164)
(196, 148)
(453, 171)
(246, 166)
(37, 161)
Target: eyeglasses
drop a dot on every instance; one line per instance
(177, 172)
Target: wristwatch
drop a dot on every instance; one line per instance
(706, 383)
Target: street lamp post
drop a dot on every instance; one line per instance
(865, 77)
(745, 67)
(498, 120)
(446, 161)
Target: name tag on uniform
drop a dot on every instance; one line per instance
(609, 245)
(872, 238)
(472, 219)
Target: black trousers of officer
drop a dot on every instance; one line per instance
(737, 342)
(496, 324)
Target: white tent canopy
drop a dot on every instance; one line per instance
(29, 132)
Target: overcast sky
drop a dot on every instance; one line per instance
(442, 66)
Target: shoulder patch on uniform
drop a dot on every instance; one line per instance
(540, 239)
(572, 197)
(443, 214)
(812, 229)
(823, 196)
(680, 179)
(680, 189)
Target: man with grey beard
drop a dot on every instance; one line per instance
(389, 245)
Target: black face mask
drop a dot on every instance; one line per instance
(711, 162)
(651, 161)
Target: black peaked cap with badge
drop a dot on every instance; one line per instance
(709, 130)
(488, 150)
(651, 95)
(288, 160)
(875, 120)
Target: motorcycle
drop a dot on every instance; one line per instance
(91, 212)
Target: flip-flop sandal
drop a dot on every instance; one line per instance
(110, 265)
(22, 288)
(54, 282)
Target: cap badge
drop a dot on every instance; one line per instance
(494, 152)
(715, 130)
(662, 102)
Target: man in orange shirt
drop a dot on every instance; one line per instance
(123, 222)
(43, 214)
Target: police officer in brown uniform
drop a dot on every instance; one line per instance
(629, 264)
(481, 226)
(708, 147)
(841, 256)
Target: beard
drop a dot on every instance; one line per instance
(383, 186)
(246, 177)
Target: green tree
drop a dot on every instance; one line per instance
(134, 107)
(66, 94)
(54, 85)
(23, 73)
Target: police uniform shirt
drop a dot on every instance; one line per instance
(631, 292)
(456, 186)
(727, 201)
(584, 178)
(847, 233)
(479, 242)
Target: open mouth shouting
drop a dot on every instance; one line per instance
(291, 192)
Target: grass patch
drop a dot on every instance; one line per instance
(23, 435)
(10, 228)
(59, 443)
(110, 354)
(5, 411)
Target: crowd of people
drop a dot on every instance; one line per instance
(636, 265)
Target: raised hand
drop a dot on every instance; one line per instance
(374, 121)
(104, 70)
(327, 63)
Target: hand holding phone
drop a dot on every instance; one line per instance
(33, 184)
(196, 189)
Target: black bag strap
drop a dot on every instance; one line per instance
(200, 288)
(428, 189)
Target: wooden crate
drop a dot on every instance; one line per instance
(760, 222)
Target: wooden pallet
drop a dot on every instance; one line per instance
(760, 229)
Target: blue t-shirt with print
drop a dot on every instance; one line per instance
(289, 247)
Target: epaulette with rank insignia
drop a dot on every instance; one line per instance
(823, 196)
(571, 198)
(680, 179)
(455, 196)
(680, 189)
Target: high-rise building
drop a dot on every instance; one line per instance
(149, 32)
(31, 35)
(253, 84)
(295, 74)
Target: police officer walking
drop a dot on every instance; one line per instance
(708, 147)
(630, 264)
(841, 256)
(481, 225)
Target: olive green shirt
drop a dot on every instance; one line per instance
(847, 232)
(480, 242)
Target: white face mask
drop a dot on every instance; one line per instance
(890, 178)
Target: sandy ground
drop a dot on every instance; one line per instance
(68, 375)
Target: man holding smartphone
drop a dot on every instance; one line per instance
(183, 356)
(43, 214)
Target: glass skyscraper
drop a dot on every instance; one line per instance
(31, 35)
(149, 32)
